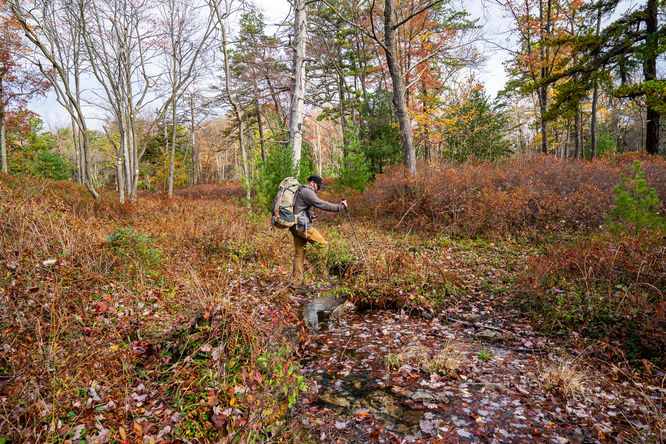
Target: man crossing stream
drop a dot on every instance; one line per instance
(303, 232)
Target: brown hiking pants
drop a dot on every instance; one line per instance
(300, 239)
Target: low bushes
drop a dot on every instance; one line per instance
(532, 197)
(609, 287)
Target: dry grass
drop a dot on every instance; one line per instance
(84, 333)
(565, 378)
(447, 359)
(651, 394)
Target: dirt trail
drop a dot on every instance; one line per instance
(371, 384)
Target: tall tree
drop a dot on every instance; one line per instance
(297, 104)
(331, 61)
(18, 82)
(629, 45)
(255, 71)
(48, 24)
(391, 24)
(222, 11)
(537, 23)
(384, 29)
(185, 39)
(122, 45)
(595, 93)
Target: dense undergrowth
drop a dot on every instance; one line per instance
(125, 321)
(170, 319)
(167, 319)
(533, 198)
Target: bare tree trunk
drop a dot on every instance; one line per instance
(399, 102)
(235, 161)
(343, 122)
(86, 166)
(298, 89)
(77, 152)
(172, 153)
(426, 135)
(194, 154)
(593, 121)
(650, 73)
(318, 149)
(595, 99)
(237, 111)
(120, 182)
(224, 165)
(135, 163)
(124, 145)
(543, 90)
(261, 132)
(578, 149)
(543, 106)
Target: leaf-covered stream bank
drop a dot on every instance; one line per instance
(467, 374)
(384, 376)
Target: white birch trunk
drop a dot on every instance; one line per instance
(298, 89)
(3, 136)
(172, 153)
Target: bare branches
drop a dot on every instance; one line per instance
(416, 13)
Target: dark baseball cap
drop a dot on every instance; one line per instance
(316, 178)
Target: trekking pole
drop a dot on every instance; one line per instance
(357, 241)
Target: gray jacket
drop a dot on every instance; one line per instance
(305, 201)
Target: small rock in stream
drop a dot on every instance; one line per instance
(425, 396)
(487, 334)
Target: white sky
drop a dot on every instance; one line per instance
(494, 28)
(277, 11)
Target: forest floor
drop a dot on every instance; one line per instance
(171, 321)
(476, 371)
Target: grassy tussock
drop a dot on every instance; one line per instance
(447, 359)
(564, 378)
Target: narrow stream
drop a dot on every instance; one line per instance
(495, 395)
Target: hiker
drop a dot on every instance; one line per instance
(303, 232)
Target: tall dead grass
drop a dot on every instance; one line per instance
(81, 332)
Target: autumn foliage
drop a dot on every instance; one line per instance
(608, 287)
(534, 197)
(139, 313)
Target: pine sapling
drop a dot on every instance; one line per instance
(635, 204)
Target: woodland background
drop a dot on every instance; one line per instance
(143, 297)
(164, 94)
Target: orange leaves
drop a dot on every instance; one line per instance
(532, 197)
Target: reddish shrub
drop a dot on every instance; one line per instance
(607, 287)
(532, 196)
